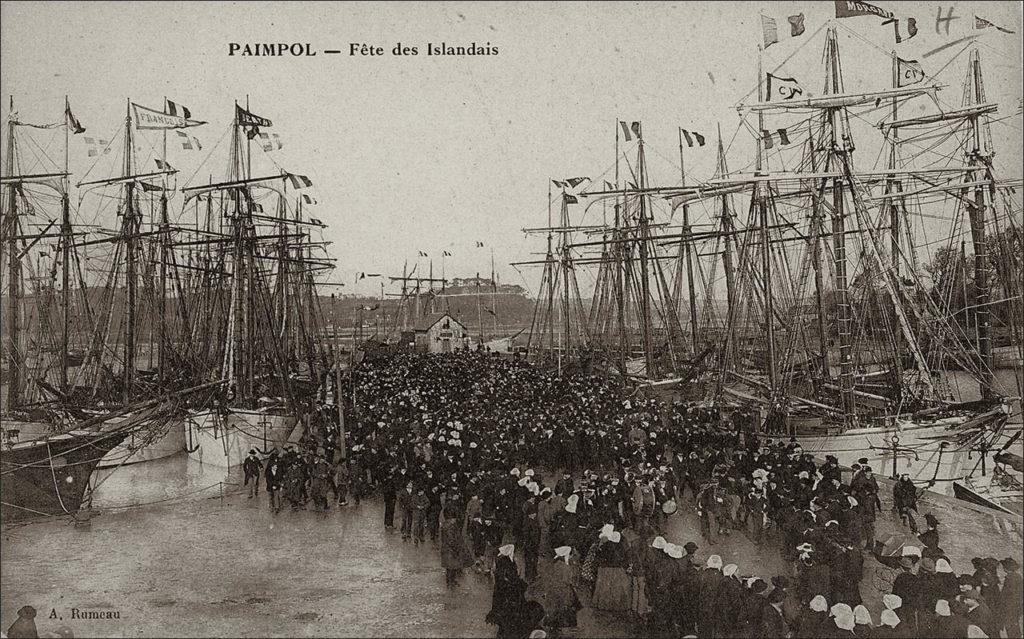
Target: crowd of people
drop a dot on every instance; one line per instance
(575, 477)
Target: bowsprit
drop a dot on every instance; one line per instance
(271, 49)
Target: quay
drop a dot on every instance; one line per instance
(212, 566)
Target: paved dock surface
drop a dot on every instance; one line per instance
(216, 567)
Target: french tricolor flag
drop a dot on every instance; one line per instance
(173, 108)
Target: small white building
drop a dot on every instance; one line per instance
(440, 333)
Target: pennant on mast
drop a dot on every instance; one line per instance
(146, 118)
(908, 72)
(854, 8)
(785, 88)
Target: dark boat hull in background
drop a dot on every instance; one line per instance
(49, 476)
(964, 492)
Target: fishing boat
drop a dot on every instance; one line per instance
(832, 331)
(50, 474)
(255, 315)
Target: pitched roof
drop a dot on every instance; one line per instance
(427, 322)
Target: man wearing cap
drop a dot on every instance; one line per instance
(977, 612)
(865, 490)
(530, 538)
(773, 620)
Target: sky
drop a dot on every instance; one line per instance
(436, 154)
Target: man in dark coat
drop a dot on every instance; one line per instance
(907, 585)
(978, 613)
(455, 556)
(251, 468)
(406, 498)
(773, 622)
(565, 485)
(390, 497)
(865, 491)
(530, 535)
(1010, 598)
(904, 496)
(275, 482)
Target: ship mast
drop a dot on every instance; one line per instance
(620, 266)
(13, 277)
(976, 210)
(645, 292)
(65, 239)
(894, 203)
(129, 234)
(164, 240)
(727, 263)
(766, 258)
(686, 253)
(566, 271)
(818, 231)
(833, 85)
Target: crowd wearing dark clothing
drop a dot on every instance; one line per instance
(491, 456)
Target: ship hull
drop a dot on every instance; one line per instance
(147, 446)
(967, 493)
(49, 475)
(225, 440)
(919, 455)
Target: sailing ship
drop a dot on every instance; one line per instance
(833, 336)
(66, 407)
(255, 317)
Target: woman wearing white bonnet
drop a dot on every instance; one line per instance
(841, 609)
(715, 562)
(844, 621)
(891, 601)
(570, 507)
(819, 604)
(889, 619)
(730, 570)
(659, 543)
(612, 587)
(563, 552)
(674, 551)
(556, 591)
(862, 617)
